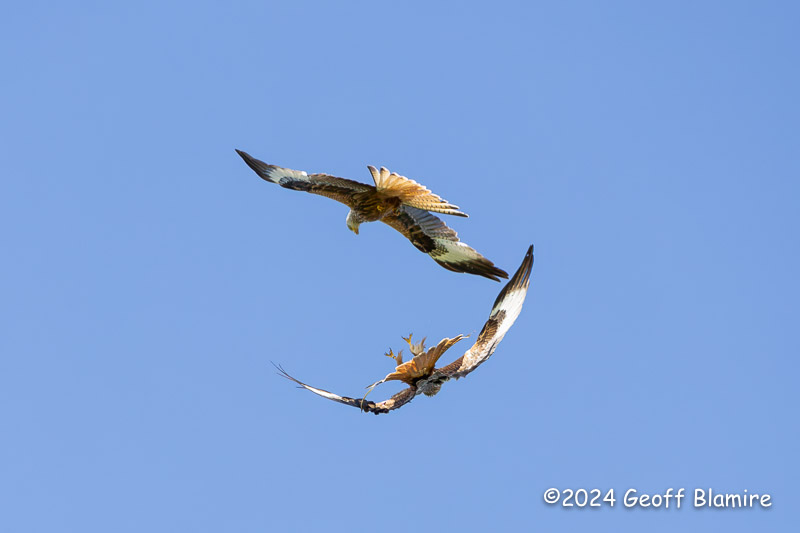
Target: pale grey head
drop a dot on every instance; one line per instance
(353, 221)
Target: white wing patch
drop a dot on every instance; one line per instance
(276, 174)
(272, 173)
(504, 313)
(455, 252)
(512, 305)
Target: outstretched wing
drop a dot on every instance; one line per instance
(395, 402)
(339, 189)
(433, 237)
(411, 193)
(505, 311)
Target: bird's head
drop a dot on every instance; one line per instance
(352, 222)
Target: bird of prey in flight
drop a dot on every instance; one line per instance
(395, 200)
(420, 373)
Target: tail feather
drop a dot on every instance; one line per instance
(412, 193)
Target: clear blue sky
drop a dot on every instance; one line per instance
(648, 150)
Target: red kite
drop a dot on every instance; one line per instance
(420, 373)
(395, 200)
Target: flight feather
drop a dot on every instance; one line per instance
(400, 202)
(420, 374)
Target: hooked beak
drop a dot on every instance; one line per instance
(352, 222)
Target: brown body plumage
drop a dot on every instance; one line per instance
(421, 374)
(422, 364)
(395, 200)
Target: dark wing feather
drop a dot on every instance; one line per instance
(433, 237)
(505, 311)
(395, 402)
(339, 189)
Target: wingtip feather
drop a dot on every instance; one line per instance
(259, 167)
